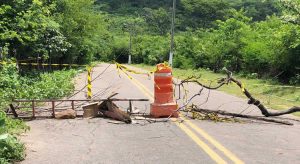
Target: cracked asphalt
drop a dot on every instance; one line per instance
(99, 140)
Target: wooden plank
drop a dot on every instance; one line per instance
(72, 104)
(33, 109)
(53, 109)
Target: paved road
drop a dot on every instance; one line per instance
(193, 141)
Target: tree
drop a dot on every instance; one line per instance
(151, 49)
(158, 20)
(85, 29)
(223, 45)
(258, 10)
(202, 13)
(291, 10)
(25, 25)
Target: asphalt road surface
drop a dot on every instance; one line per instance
(183, 140)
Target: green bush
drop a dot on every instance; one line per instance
(150, 49)
(11, 126)
(3, 161)
(183, 62)
(34, 85)
(11, 148)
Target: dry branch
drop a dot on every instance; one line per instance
(242, 116)
(260, 106)
(252, 100)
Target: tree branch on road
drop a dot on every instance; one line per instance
(252, 100)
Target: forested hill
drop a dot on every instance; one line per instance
(255, 37)
(194, 13)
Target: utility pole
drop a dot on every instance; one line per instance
(129, 28)
(172, 35)
(130, 45)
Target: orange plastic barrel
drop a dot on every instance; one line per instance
(163, 85)
(164, 104)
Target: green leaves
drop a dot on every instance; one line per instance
(11, 150)
(83, 28)
(25, 27)
(202, 13)
(291, 10)
(2, 122)
(34, 85)
(158, 20)
(31, 86)
(65, 30)
(150, 49)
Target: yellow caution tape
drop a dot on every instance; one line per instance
(193, 114)
(122, 67)
(42, 64)
(165, 65)
(89, 85)
(243, 87)
(125, 70)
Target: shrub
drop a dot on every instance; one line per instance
(11, 149)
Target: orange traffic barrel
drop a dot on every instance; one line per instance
(164, 104)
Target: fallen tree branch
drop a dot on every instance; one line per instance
(242, 116)
(252, 100)
(260, 106)
(193, 79)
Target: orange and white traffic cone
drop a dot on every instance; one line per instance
(164, 104)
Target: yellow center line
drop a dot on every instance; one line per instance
(144, 89)
(200, 131)
(200, 143)
(184, 128)
(141, 87)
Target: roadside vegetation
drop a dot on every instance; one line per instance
(11, 149)
(33, 85)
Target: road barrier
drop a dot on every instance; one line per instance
(89, 85)
(37, 111)
(164, 104)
